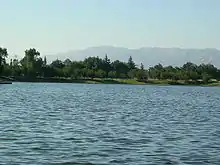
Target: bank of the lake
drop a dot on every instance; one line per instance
(117, 81)
(5, 81)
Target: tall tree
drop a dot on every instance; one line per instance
(131, 64)
(32, 62)
(141, 74)
(107, 65)
(3, 56)
(67, 62)
(121, 68)
(45, 61)
(57, 64)
(142, 66)
(16, 68)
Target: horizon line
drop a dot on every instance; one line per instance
(143, 47)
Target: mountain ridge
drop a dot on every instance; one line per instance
(149, 56)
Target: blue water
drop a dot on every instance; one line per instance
(55, 124)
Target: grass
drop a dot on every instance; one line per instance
(117, 81)
(213, 84)
(112, 81)
(129, 81)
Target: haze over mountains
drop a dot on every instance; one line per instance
(149, 56)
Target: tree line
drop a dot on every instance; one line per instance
(33, 65)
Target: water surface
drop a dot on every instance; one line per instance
(49, 123)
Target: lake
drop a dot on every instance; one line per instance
(67, 124)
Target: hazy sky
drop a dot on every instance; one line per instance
(54, 26)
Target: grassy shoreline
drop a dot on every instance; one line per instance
(116, 81)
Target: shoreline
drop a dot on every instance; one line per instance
(115, 81)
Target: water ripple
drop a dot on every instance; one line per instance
(78, 124)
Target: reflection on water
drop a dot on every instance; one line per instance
(62, 124)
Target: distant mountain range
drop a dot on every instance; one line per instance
(149, 56)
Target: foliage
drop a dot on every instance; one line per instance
(32, 65)
(3, 56)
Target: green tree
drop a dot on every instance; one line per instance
(15, 67)
(112, 74)
(90, 73)
(189, 67)
(156, 72)
(141, 74)
(106, 65)
(57, 64)
(76, 73)
(205, 78)
(93, 63)
(142, 66)
(67, 62)
(45, 61)
(3, 56)
(193, 75)
(121, 69)
(67, 71)
(100, 73)
(32, 63)
(132, 73)
(131, 64)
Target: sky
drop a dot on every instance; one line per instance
(54, 26)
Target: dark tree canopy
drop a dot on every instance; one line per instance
(131, 64)
(3, 56)
(32, 65)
